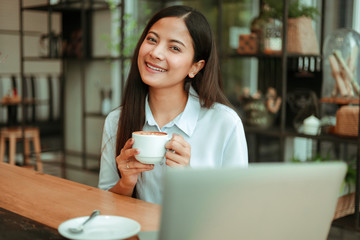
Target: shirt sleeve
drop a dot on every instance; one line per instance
(235, 150)
(108, 175)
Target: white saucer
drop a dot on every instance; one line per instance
(102, 227)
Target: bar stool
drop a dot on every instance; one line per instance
(13, 134)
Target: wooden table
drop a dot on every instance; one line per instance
(51, 200)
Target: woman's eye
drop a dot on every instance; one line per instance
(151, 39)
(175, 48)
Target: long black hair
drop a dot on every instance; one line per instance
(207, 82)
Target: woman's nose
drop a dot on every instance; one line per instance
(157, 52)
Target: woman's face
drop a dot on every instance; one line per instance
(166, 54)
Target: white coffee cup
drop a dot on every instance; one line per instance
(151, 146)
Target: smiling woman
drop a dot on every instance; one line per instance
(174, 86)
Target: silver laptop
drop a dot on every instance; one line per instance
(277, 201)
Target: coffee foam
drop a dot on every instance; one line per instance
(150, 133)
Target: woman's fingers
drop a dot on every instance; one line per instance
(129, 143)
(179, 152)
(171, 163)
(127, 151)
(179, 141)
(126, 160)
(174, 159)
(131, 165)
(178, 145)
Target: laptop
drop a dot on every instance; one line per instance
(279, 201)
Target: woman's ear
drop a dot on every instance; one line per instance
(195, 68)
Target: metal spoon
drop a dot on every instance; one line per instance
(80, 228)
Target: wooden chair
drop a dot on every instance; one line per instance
(13, 134)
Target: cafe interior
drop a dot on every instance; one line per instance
(290, 69)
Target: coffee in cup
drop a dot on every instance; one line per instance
(151, 145)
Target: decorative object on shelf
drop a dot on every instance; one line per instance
(44, 46)
(345, 205)
(272, 36)
(341, 80)
(341, 58)
(257, 25)
(248, 44)
(105, 101)
(11, 100)
(311, 125)
(273, 101)
(347, 121)
(257, 114)
(296, 9)
(268, 30)
(53, 49)
(328, 124)
(301, 36)
(260, 111)
(53, 2)
(73, 47)
(303, 103)
(3, 58)
(11, 97)
(300, 33)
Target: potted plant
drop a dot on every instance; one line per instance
(300, 33)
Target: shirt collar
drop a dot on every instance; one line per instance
(149, 118)
(186, 121)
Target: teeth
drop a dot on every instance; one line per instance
(155, 68)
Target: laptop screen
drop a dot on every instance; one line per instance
(264, 201)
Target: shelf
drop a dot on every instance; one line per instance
(36, 59)
(110, 58)
(347, 222)
(340, 100)
(25, 102)
(17, 32)
(324, 137)
(94, 114)
(76, 5)
(276, 132)
(273, 131)
(262, 55)
(98, 58)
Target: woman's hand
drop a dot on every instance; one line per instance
(128, 166)
(179, 152)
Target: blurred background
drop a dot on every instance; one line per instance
(66, 63)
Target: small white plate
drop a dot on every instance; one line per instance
(102, 227)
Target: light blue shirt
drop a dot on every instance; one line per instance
(216, 136)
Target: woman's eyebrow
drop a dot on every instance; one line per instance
(157, 35)
(172, 40)
(177, 41)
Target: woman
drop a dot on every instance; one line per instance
(174, 86)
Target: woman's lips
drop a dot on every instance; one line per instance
(154, 67)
